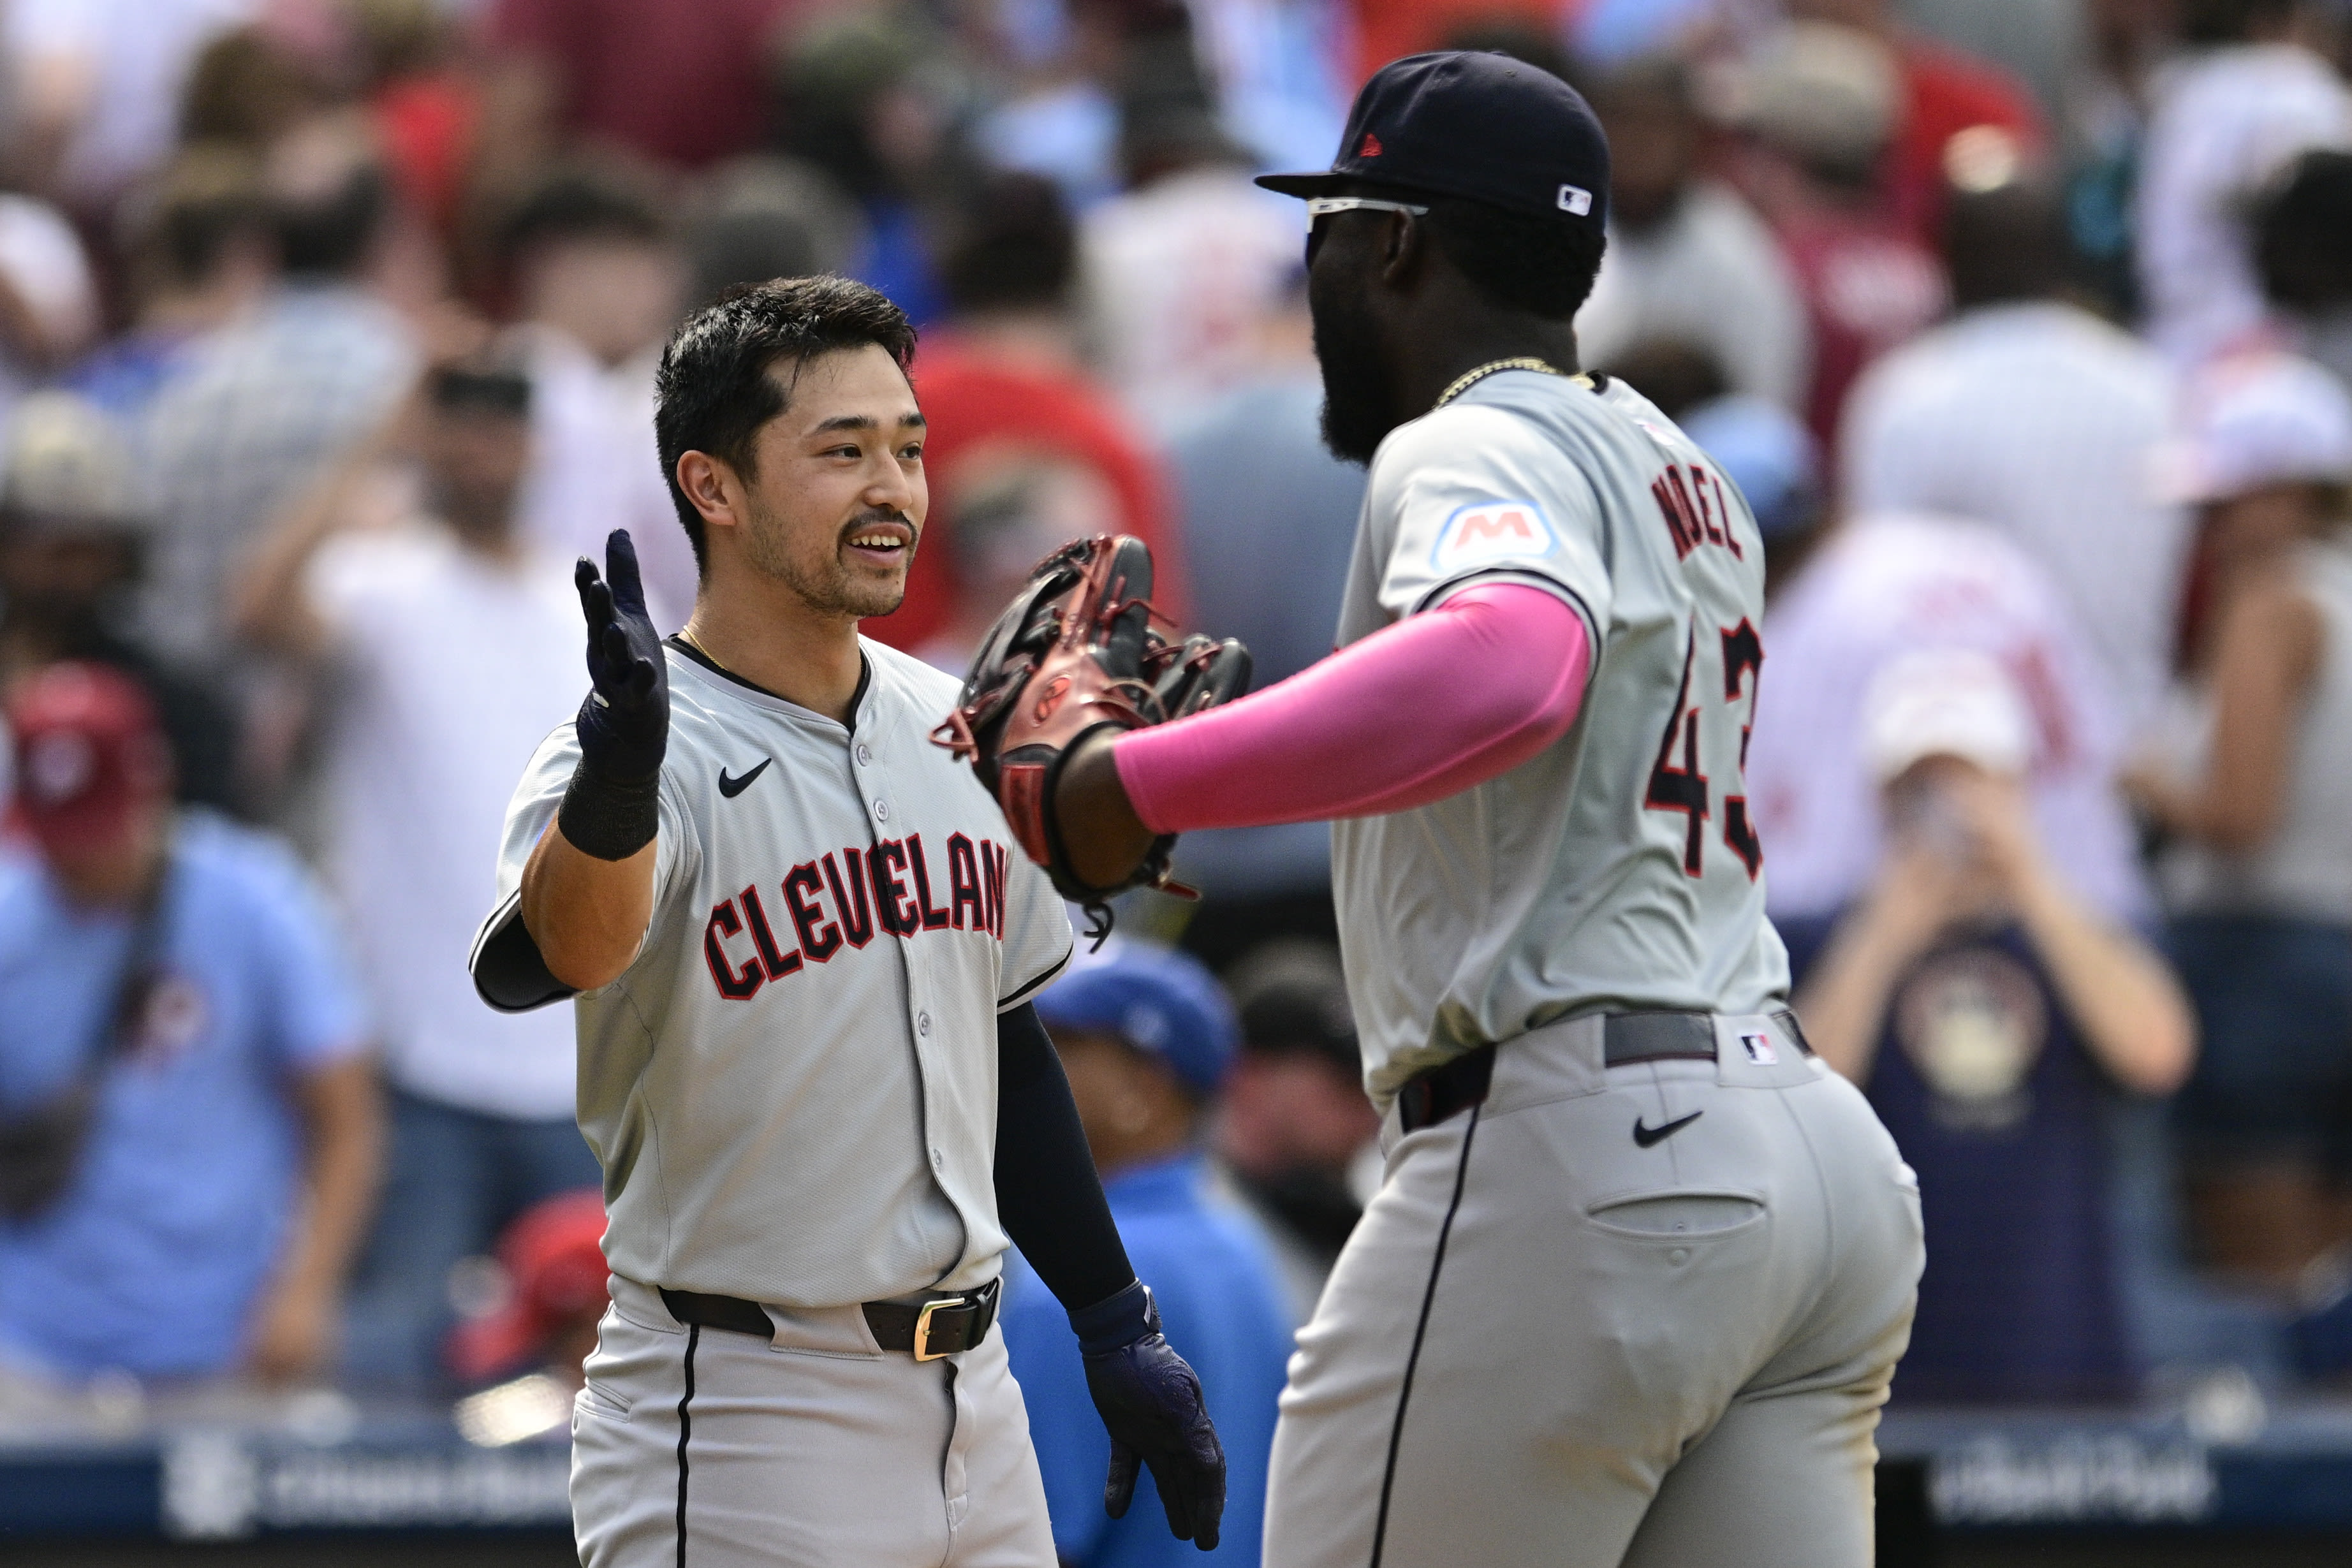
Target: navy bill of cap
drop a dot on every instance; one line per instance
(1471, 125)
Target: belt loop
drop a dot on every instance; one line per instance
(1413, 1104)
(1431, 1097)
(1587, 1040)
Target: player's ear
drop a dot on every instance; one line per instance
(1402, 242)
(711, 485)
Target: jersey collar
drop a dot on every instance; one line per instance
(856, 698)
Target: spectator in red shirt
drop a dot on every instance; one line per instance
(1819, 104)
(681, 82)
(424, 104)
(1003, 380)
(1944, 94)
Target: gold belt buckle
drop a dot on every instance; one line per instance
(923, 1351)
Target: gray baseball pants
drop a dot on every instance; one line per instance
(1550, 1342)
(815, 1449)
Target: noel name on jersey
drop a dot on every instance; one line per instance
(843, 900)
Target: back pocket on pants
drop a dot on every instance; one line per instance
(1690, 1215)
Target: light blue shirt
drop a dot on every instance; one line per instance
(1221, 1304)
(1270, 522)
(152, 1260)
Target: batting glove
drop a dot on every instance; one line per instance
(611, 809)
(1150, 1401)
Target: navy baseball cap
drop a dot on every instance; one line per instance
(1482, 126)
(1161, 1003)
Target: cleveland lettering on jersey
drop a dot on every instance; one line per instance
(888, 885)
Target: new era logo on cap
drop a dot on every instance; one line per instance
(1370, 147)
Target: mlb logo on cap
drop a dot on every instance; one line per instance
(1761, 1050)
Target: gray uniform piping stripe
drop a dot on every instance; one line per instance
(1039, 984)
(685, 1430)
(1421, 1332)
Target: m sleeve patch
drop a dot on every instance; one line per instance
(1487, 531)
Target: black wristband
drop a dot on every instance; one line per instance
(1115, 1321)
(608, 819)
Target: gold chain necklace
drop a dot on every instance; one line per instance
(695, 643)
(1468, 379)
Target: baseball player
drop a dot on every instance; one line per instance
(803, 957)
(1641, 1268)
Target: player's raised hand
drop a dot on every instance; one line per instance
(1150, 1401)
(624, 723)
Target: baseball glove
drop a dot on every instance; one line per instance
(1076, 652)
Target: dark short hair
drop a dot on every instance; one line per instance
(2300, 230)
(329, 235)
(713, 390)
(2228, 21)
(583, 201)
(208, 199)
(1291, 997)
(1014, 247)
(1676, 374)
(2008, 243)
(479, 386)
(1540, 265)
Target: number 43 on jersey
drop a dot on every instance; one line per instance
(1678, 780)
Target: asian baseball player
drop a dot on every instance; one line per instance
(1637, 1282)
(803, 956)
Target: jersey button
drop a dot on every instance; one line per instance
(938, 1159)
(881, 810)
(922, 1023)
(864, 754)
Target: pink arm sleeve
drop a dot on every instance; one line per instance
(1423, 709)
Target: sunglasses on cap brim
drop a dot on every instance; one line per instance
(1323, 206)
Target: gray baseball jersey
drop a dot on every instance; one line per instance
(792, 1088)
(1618, 869)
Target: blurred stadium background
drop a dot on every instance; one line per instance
(327, 331)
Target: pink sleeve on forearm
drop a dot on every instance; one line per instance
(1430, 707)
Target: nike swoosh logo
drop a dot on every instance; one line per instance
(731, 787)
(1645, 1135)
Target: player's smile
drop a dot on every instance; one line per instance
(887, 544)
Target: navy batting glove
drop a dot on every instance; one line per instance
(1150, 1401)
(611, 810)
(624, 723)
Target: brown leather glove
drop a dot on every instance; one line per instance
(1076, 652)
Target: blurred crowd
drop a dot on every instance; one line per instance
(327, 336)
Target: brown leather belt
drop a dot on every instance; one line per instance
(942, 1325)
(1626, 1039)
